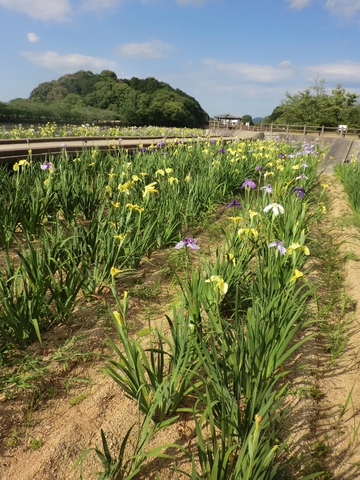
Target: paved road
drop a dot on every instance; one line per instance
(340, 151)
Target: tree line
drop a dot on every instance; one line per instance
(88, 97)
(314, 106)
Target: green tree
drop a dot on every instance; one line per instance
(40, 93)
(56, 94)
(276, 113)
(343, 102)
(314, 106)
(4, 111)
(73, 100)
(80, 83)
(108, 76)
(247, 118)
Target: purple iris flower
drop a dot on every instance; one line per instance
(188, 242)
(144, 149)
(279, 245)
(120, 140)
(258, 168)
(300, 191)
(161, 144)
(212, 141)
(234, 203)
(249, 183)
(308, 148)
(281, 155)
(47, 166)
(221, 150)
(302, 176)
(268, 188)
(304, 165)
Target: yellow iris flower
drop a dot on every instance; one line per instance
(236, 219)
(297, 246)
(219, 283)
(172, 180)
(248, 232)
(114, 271)
(149, 189)
(124, 187)
(117, 317)
(297, 274)
(134, 207)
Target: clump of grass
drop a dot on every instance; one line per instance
(35, 443)
(77, 399)
(13, 440)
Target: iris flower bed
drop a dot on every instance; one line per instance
(54, 130)
(349, 174)
(72, 227)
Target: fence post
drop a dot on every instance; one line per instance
(261, 127)
(322, 131)
(271, 127)
(287, 129)
(304, 132)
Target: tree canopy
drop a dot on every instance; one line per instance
(85, 96)
(314, 106)
(247, 118)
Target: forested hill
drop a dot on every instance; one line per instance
(85, 96)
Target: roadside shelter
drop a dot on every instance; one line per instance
(227, 118)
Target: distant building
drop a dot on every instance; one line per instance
(227, 118)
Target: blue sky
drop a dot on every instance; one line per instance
(233, 56)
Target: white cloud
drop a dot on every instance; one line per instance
(338, 8)
(241, 88)
(299, 4)
(153, 49)
(32, 37)
(58, 10)
(340, 72)
(343, 8)
(250, 72)
(68, 63)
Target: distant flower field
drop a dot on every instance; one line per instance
(87, 130)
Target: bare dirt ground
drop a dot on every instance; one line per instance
(338, 427)
(324, 386)
(43, 431)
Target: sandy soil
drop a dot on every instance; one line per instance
(337, 430)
